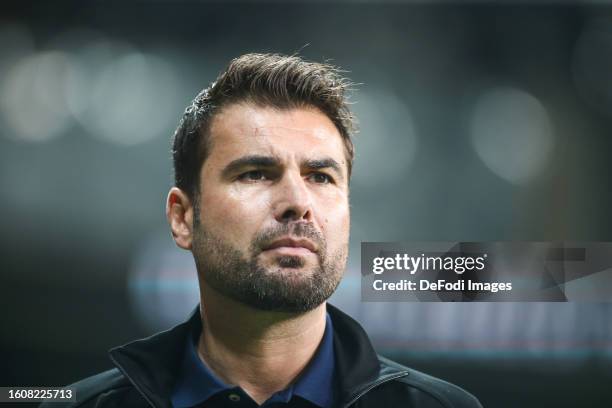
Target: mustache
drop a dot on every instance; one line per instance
(298, 230)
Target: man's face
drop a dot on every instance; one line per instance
(272, 224)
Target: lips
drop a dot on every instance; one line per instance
(292, 243)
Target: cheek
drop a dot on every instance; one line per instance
(231, 215)
(336, 223)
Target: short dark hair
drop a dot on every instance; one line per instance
(275, 80)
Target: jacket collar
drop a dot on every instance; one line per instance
(357, 364)
(152, 364)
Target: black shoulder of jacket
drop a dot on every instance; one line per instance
(447, 395)
(89, 389)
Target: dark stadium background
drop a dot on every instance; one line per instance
(480, 121)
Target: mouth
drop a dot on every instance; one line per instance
(297, 246)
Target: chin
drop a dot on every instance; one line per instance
(291, 262)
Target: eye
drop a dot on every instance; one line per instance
(253, 175)
(321, 178)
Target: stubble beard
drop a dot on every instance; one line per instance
(286, 286)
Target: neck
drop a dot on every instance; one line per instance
(260, 351)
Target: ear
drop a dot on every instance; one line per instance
(179, 212)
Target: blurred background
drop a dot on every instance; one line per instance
(480, 121)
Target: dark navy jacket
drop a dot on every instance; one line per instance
(146, 371)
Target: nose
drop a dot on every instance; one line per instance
(294, 201)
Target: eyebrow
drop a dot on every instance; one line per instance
(252, 161)
(326, 163)
(270, 161)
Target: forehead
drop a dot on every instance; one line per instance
(303, 132)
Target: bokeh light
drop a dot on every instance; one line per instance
(162, 283)
(511, 133)
(133, 100)
(387, 141)
(33, 99)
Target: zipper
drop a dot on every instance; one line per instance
(376, 384)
